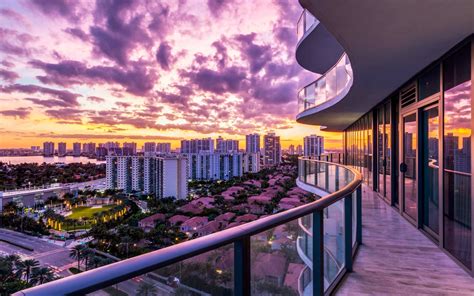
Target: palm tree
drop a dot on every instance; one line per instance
(76, 253)
(26, 267)
(146, 289)
(42, 275)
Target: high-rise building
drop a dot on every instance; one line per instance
(88, 148)
(62, 149)
(291, 150)
(48, 148)
(76, 149)
(271, 144)
(197, 145)
(251, 162)
(149, 148)
(252, 143)
(215, 166)
(226, 146)
(159, 176)
(129, 148)
(313, 145)
(163, 148)
(299, 150)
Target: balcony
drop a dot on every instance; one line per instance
(325, 91)
(255, 258)
(317, 50)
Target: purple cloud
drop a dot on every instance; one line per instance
(138, 79)
(58, 8)
(62, 97)
(8, 76)
(21, 112)
(163, 56)
(96, 99)
(78, 33)
(217, 6)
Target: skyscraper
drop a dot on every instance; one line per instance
(48, 148)
(313, 145)
(76, 149)
(149, 148)
(62, 150)
(197, 145)
(226, 146)
(163, 148)
(252, 143)
(129, 148)
(272, 148)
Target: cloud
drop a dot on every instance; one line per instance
(78, 33)
(58, 8)
(69, 114)
(21, 112)
(14, 42)
(61, 97)
(8, 76)
(138, 79)
(163, 56)
(96, 99)
(217, 6)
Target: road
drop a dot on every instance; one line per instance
(48, 254)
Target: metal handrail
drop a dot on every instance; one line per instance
(93, 280)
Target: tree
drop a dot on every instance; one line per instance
(42, 275)
(26, 267)
(146, 289)
(76, 253)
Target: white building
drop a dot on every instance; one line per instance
(252, 143)
(251, 162)
(215, 166)
(226, 146)
(160, 176)
(313, 145)
(272, 149)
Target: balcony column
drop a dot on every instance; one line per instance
(242, 267)
(318, 253)
(359, 214)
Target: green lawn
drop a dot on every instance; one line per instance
(81, 212)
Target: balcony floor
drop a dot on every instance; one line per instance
(397, 259)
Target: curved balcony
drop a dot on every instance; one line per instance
(235, 261)
(326, 91)
(317, 50)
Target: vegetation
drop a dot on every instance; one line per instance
(13, 218)
(32, 174)
(17, 274)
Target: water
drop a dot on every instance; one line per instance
(40, 159)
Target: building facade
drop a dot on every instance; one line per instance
(215, 166)
(313, 146)
(158, 176)
(226, 146)
(272, 150)
(252, 143)
(163, 148)
(62, 149)
(197, 145)
(48, 148)
(76, 149)
(251, 162)
(411, 135)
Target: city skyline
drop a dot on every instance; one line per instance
(60, 82)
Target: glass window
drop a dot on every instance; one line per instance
(428, 83)
(388, 150)
(457, 155)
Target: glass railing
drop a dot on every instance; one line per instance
(330, 85)
(258, 258)
(305, 22)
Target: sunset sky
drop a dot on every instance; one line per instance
(149, 71)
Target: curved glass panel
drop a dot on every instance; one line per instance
(326, 87)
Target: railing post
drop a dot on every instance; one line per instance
(348, 232)
(359, 214)
(242, 267)
(318, 253)
(337, 178)
(326, 175)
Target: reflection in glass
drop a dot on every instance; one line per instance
(409, 158)
(380, 150)
(430, 168)
(388, 150)
(457, 172)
